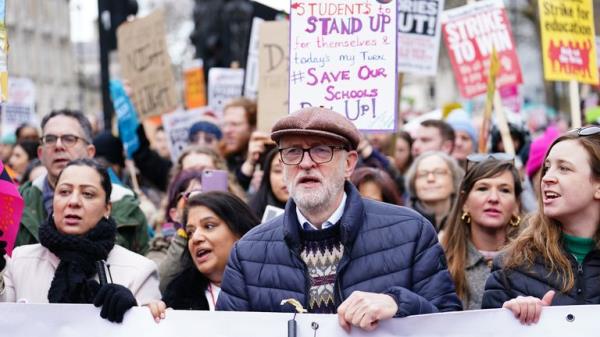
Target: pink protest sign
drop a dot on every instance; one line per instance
(11, 209)
(471, 32)
(343, 57)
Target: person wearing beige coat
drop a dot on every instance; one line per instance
(30, 271)
(77, 238)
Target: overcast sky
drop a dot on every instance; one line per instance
(85, 12)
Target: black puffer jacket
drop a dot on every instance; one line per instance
(503, 285)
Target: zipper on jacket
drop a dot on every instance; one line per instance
(579, 282)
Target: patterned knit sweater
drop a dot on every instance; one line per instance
(322, 251)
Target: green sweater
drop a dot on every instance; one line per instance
(578, 247)
(132, 232)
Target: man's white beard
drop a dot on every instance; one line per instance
(318, 199)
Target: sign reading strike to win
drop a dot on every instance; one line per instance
(471, 33)
(568, 40)
(343, 57)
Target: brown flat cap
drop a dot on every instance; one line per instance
(317, 121)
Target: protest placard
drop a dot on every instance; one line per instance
(568, 46)
(223, 85)
(194, 84)
(274, 73)
(84, 320)
(11, 209)
(127, 119)
(419, 36)
(343, 57)
(146, 64)
(20, 106)
(251, 79)
(177, 126)
(471, 32)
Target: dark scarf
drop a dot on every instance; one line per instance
(186, 291)
(72, 281)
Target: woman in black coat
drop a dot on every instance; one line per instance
(213, 222)
(556, 260)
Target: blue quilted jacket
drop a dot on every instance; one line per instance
(387, 249)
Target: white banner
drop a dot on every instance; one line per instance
(419, 36)
(343, 57)
(58, 320)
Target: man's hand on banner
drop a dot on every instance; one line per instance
(365, 310)
(528, 309)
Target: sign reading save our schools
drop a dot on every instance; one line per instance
(471, 33)
(568, 40)
(343, 57)
(419, 36)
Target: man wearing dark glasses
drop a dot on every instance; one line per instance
(67, 135)
(332, 250)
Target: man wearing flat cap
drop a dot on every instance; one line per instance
(332, 250)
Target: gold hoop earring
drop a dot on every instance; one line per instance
(515, 221)
(466, 217)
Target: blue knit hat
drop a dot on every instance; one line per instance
(460, 121)
(206, 127)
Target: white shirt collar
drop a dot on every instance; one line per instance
(333, 219)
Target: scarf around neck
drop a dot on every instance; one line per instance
(78, 254)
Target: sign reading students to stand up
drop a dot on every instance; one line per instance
(343, 57)
(471, 33)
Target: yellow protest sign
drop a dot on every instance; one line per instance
(568, 46)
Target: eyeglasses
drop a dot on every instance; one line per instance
(437, 173)
(66, 140)
(319, 154)
(475, 158)
(587, 131)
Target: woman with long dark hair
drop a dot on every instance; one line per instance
(485, 216)
(272, 190)
(213, 222)
(556, 260)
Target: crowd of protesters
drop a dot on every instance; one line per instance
(368, 226)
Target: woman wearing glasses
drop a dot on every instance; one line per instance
(484, 217)
(214, 221)
(555, 260)
(432, 181)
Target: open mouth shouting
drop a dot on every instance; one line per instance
(549, 196)
(72, 219)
